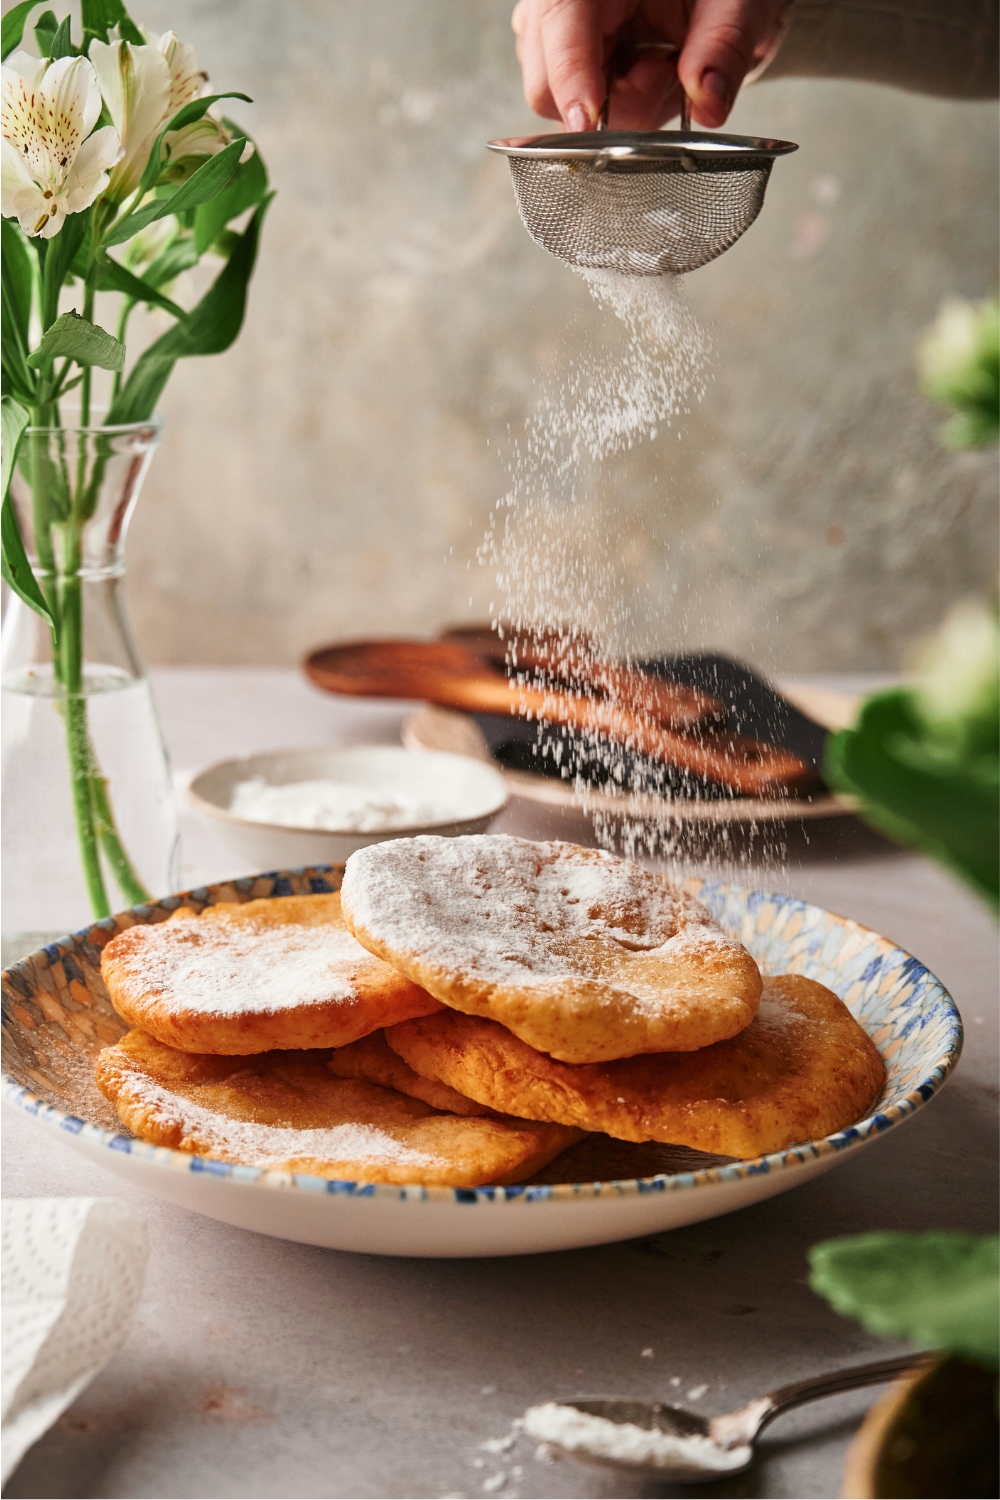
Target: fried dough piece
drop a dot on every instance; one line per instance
(240, 979)
(373, 1061)
(582, 955)
(802, 1069)
(287, 1113)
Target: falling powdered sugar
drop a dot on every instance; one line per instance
(577, 1431)
(559, 536)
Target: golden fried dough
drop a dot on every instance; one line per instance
(373, 1061)
(581, 955)
(803, 1068)
(287, 1112)
(240, 979)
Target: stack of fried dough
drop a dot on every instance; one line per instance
(461, 1013)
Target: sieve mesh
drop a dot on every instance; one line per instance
(641, 218)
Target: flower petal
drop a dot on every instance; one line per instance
(89, 173)
(14, 177)
(29, 69)
(135, 84)
(35, 212)
(69, 106)
(186, 82)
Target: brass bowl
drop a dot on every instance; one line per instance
(933, 1434)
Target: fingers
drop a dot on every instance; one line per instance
(647, 95)
(724, 40)
(572, 45)
(531, 56)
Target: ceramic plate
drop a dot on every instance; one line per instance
(475, 793)
(57, 1016)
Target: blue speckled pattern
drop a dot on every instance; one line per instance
(56, 1014)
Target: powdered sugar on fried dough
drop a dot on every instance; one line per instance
(505, 908)
(583, 956)
(271, 1146)
(227, 969)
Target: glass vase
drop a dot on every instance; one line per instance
(89, 823)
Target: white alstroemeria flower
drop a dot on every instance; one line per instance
(144, 87)
(51, 164)
(185, 149)
(135, 82)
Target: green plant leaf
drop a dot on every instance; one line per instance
(100, 15)
(209, 328)
(14, 564)
(60, 252)
(13, 24)
(180, 255)
(45, 29)
(186, 115)
(245, 190)
(77, 338)
(15, 419)
(940, 1289)
(112, 277)
(17, 282)
(947, 806)
(62, 41)
(199, 188)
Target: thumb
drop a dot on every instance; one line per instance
(718, 53)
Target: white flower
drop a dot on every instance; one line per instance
(185, 149)
(135, 83)
(960, 667)
(51, 164)
(143, 88)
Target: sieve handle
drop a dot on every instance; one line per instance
(669, 48)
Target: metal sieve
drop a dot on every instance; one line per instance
(644, 203)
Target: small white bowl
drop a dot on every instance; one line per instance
(476, 791)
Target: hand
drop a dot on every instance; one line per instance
(563, 47)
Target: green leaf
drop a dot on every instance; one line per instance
(17, 280)
(15, 419)
(180, 255)
(45, 29)
(209, 328)
(199, 188)
(945, 805)
(245, 190)
(100, 15)
(112, 277)
(940, 1289)
(77, 338)
(12, 27)
(62, 42)
(14, 564)
(60, 253)
(186, 115)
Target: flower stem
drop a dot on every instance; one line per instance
(128, 881)
(78, 751)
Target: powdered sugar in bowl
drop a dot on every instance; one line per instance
(298, 807)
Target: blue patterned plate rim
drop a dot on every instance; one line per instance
(713, 893)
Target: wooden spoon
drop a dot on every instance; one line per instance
(449, 673)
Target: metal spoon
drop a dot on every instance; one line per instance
(678, 1444)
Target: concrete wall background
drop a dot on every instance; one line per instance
(334, 473)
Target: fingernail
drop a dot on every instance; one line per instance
(577, 118)
(714, 83)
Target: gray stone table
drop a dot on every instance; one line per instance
(257, 1367)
